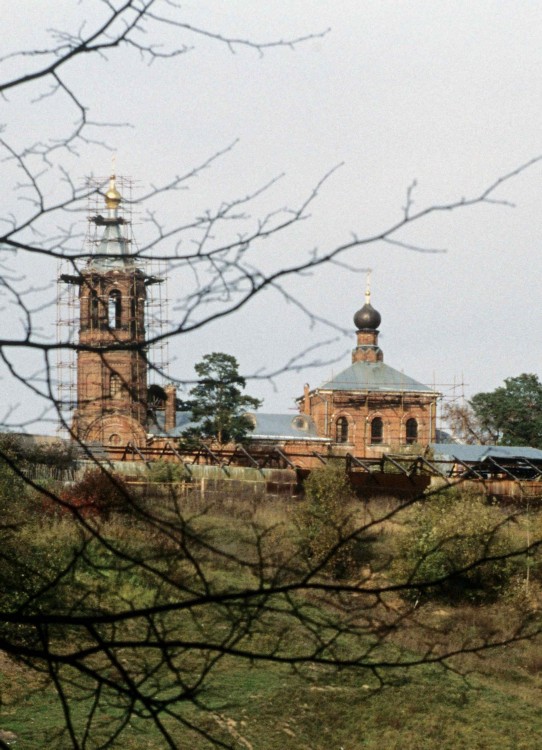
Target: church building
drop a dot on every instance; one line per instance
(367, 410)
(370, 408)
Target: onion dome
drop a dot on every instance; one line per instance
(367, 318)
(112, 197)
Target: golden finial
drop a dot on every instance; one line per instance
(112, 197)
(368, 289)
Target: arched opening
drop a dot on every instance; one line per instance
(377, 430)
(93, 308)
(156, 397)
(114, 309)
(341, 430)
(411, 431)
(115, 385)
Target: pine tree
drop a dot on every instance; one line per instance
(218, 403)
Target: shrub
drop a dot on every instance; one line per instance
(98, 493)
(166, 471)
(35, 576)
(452, 539)
(324, 521)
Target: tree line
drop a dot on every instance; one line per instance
(509, 415)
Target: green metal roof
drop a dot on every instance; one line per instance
(374, 376)
(284, 427)
(113, 250)
(475, 453)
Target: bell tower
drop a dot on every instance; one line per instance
(111, 365)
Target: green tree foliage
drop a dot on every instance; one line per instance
(218, 403)
(324, 520)
(456, 548)
(512, 413)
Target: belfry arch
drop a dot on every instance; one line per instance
(114, 310)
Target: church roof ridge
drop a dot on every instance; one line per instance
(374, 376)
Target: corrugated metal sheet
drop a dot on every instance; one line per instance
(475, 453)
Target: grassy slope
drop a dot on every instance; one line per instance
(271, 707)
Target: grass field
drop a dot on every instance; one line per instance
(270, 708)
(487, 699)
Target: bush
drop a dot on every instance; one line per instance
(166, 471)
(452, 538)
(324, 520)
(98, 493)
(36, 575)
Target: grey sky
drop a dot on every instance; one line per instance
(444, 93)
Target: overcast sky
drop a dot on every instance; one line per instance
(447, 94)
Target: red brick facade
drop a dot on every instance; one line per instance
(370, 409)
(111, 362)
(348, 418)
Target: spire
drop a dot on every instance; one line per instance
(368, 288)
(113, 247)
(367, 320)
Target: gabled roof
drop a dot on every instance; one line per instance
(374, 376)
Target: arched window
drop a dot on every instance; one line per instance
(377, 430)
(114, 309)
(411, 431)
(94, 308)
(115, 385)
(341, 430)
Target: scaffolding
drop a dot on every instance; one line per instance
(68, 321)
(452, 395)
(67, 327)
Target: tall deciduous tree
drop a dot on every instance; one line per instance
(513, 412)
(218, 403)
